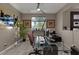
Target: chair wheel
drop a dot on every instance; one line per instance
(32, 53)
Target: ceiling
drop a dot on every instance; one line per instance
(30, 8)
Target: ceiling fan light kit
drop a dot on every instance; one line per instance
(38, 9)
(38, 4)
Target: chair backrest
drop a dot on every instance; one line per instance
(31, 38)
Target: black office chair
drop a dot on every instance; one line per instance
(55, 37)
(74, 50)
(36, 52)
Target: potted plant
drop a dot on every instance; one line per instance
(22, 30)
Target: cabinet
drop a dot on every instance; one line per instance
(74, 20)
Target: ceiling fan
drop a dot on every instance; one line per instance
(38, 10)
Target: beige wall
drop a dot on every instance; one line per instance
(8, 9)
(66, 20)
(66, 15)
(76, 38)
(29, 16)
(65, 34)
(69, 37)
(48, 17)
(7, 37)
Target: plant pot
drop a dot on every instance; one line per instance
(24, 40)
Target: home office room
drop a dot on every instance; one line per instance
(39, 28)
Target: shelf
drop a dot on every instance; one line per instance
(75, 26)
(76, 20)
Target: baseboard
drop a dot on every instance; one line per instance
(8, 48)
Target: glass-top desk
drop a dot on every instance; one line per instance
(39, 42)
(42, 42)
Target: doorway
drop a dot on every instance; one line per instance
(39, 25)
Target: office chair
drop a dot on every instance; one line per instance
(31, 39)
(74, 50)
(55, 37)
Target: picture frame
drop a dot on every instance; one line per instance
(50, 23)
(27, 23)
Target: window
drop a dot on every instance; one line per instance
(38, 22)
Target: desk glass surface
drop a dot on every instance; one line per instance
(40, 41)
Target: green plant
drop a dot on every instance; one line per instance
(22, 30)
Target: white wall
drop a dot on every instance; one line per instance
(69, 37)
(65, 34)
(76, 38)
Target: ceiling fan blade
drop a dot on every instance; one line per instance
(38, 7)
(38, 4)
(42, 11)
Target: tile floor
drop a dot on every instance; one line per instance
(25, 48)
(20, 49)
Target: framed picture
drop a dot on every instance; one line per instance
(27, 23)
(50, 23)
